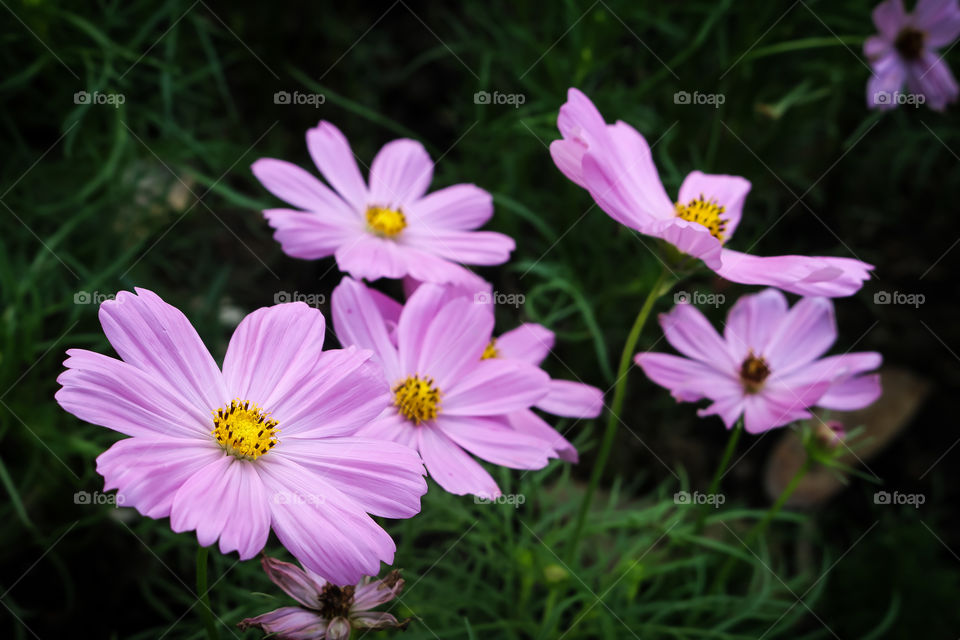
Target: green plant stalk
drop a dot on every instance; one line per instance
(724, 462)
(203, 593)
(619, 393)
(761, 526)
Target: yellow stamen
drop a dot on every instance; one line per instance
(244, 429)
(386, 223)
(490, 351)
(705, 212)
(417, 399)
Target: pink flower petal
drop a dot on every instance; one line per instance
(420, 310)
(751, 322)
(572, 399)
(689, 332)
(495, 387)
(331, 153)
(157, 338)
(345, 391)
(113, 394)
(852, 394)
(224, 500)
(730, 192)
(529, 342)
(391, 426)
(803, 275)
(778, 407)
(939, 19)
(688, 380)
(383, 478)
(327, 532)
(691, 238)
(148, 472)
(292, 184)
(529, 423)
(454, 342)
(931, 77)
(466, 247)
(451, 467)
(458, 207)
(426, 267)
(889, 74)
(371, 258)
(307, 235)
(358, 321)
(889, 17)
(400, 174)
(728, 408)
(271, 352)
(493, 441)
(804, 334)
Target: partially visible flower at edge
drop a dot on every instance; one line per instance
(387, 226)
(326, 611)
(767, 366)
(904, 52)
(613, 162)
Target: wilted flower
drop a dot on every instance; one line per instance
(269, 441)
(767, 365)
(613, 162)
(385, 227)
(447, 399)
(904, 52)
(327, 612)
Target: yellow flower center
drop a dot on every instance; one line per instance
(386, 223)
(705, 212)
(244, 429)
(490, 351)
(753, 373)
(417, 399)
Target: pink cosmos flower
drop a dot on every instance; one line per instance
(613, 162)
(266, 442)
(447, 399)
(385, 227)
(766, 366)
(904, 52)
(326, 611)
(528, 343)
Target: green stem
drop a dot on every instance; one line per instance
(203, 593)
(724, 462)
(761, 526)
(613, 419)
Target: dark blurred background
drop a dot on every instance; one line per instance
(156, 192)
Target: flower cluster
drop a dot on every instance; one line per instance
(311, 443)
